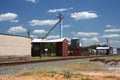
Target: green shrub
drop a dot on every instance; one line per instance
(67, 74)
(109, 77)
(26, 74)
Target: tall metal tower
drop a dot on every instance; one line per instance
(60, 16)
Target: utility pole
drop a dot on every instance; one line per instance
(107, 41)
(28, 33)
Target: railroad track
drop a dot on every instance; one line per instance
(16, 68)
(39, 61)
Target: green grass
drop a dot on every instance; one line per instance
(84, 66)
(86, 79)
(44, 58)
(26, 74)
(60, 57)
(110, 76)
(38, 73)
(116, 57)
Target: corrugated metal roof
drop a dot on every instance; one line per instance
(102, 47)
(45, 41)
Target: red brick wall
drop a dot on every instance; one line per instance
(65, 48)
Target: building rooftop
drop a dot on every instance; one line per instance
(47, 41)
(102, 47)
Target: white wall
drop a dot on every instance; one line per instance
(14, 45)
(114, 50)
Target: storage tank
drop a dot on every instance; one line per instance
(74, 43)
(75, 48)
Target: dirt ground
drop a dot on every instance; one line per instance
(58, 76)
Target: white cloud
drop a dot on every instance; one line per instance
(14, 21)
(41, 31)
(42, 22)
(111, 36)
(89, 41)
(33, 1)
(58, 10)
(67, 26)
(114, 43)
(85, 33)
(17, 29)
(83, 15)
(109, 26)
(8, 17)
(112, 30)
(53, 37)
(34, 36)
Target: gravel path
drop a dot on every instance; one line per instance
(18, 69)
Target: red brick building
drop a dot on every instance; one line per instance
(61, 46)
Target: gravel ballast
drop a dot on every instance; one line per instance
(18, 69)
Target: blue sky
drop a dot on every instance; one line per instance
(92, 21)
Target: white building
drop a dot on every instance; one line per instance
(14, 47)
(103, 50)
